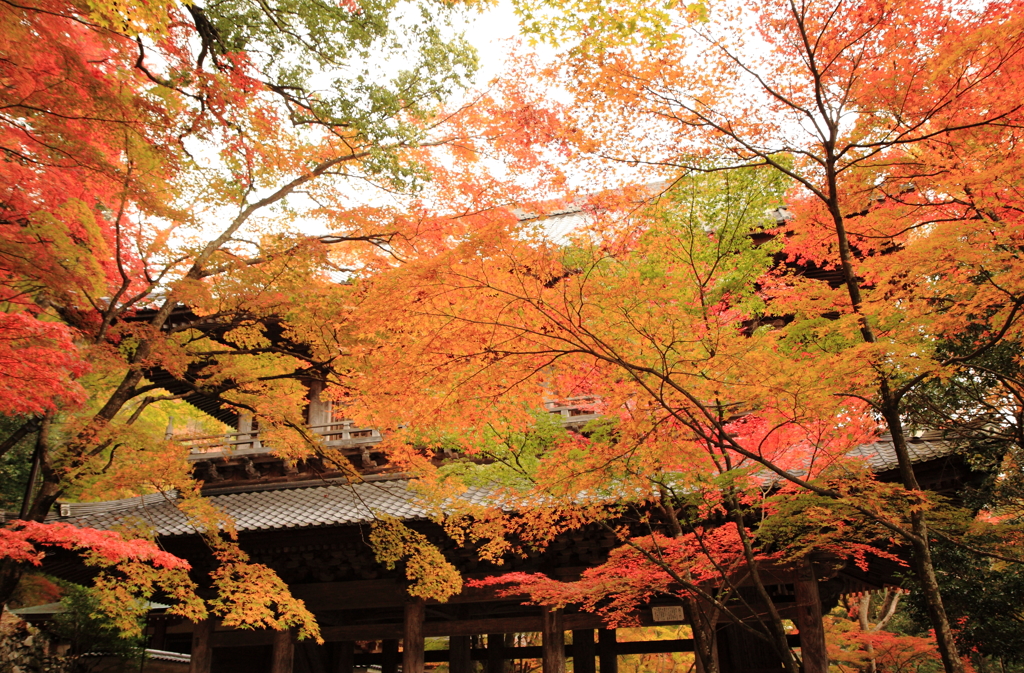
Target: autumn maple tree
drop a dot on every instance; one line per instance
(158, 159)
(160, 156)
(523, 319)
(883, 136)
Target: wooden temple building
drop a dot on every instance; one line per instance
(309, 521)
(311, 525)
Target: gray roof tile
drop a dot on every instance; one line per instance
(882, 457)
(308, 506)
(346, 504)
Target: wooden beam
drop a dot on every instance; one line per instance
(202, 647)
(510, 653)
(607, 651)
(412, 638)
(654, 646)
(583, 651)
(459, 655)
(458, 627)
(366, 594)
(808, 621)
(282, 660)
(553, 642)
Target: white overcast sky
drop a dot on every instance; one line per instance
(491, 32)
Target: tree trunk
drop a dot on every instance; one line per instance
(890, 409)
(924, 567)
(702, 618)
(10, 576)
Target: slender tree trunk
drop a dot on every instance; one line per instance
(889, 405)
(776, 630)
(38, 458)
(23, 430)
(865, 627)
(10, 576)
(924, 566)
(702, 618)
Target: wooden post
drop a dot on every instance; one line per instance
(283, 658)
(202, 647)
(344, 653)
(412, 638)
(389, 656)
(495, 653)
(319, 410)
(607, 652)
(553, 642)
(808, 620)
(244, 426)
(583, 651)
(460, 654)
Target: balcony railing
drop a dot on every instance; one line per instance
(343, 436)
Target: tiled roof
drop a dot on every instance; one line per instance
(339, 504)
(927, 446)
(164, 655)
(299, 507)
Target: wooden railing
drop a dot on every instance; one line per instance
(342, 435)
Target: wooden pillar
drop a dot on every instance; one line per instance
(808, 621)
(607, 651)
(389, 656)
(343, 657)
(202, 647)
(553, 642)
(244, 426)
(495, 653)
(412, 637)
(583, 651)
(460, 654)
(282, 660)
(740, 652)
(319, 409)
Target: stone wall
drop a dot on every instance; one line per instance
(24, 649)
